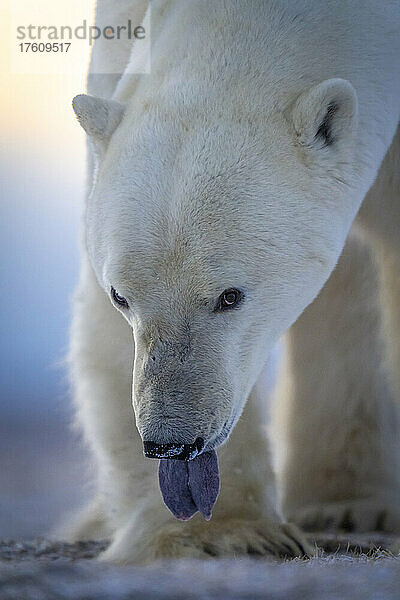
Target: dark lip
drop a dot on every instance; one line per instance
(173, 451)
(187, 452)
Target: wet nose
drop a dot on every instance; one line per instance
(176, 451)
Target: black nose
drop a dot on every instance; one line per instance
(176, 451)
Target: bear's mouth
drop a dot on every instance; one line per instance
(175, 451)
(190, 485)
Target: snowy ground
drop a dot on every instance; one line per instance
(40, 570)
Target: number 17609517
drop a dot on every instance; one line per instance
(44, 47)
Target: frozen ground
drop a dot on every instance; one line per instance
(40, 570)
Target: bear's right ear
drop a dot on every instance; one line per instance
(98, 117)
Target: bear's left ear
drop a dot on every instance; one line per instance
(98, 117)
(325, 114)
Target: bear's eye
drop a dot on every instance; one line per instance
(120, 300)
(230, 298)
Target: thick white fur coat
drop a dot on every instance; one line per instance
(242, 161)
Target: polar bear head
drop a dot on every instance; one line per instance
(211, 233)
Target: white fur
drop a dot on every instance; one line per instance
(218, 175)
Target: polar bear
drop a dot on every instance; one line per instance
(223, 212)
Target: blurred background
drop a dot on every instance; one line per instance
(42, 170)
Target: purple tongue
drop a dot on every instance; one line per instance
(173, 477)
(204, 482)
(190, 486)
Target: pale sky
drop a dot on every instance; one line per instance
(36, 109)
(42, 171)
